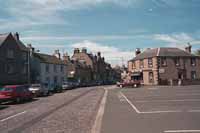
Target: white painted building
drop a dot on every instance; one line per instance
(48, 70)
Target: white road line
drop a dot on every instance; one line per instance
(193, 111)
(148, 112)
(133, 106)
(183, 100)
(182, 131)
(10, 117)
(158, 112)
(98, 122)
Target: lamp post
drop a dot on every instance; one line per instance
(29, 66)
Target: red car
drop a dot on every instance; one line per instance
(129, 84)
(16, 93)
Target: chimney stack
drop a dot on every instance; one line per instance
(137, 51)
(16, 36)
(84, 50)
(57, 54)
(188, 48)
(76, 51)
(99, 54)
(66, 57)
(32, 49)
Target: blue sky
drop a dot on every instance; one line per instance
(114, 27)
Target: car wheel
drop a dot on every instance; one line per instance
(18, 100)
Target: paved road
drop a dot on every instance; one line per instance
(113, 110)
(73, 111)
(152, 110)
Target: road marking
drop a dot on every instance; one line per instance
(147, 112)
(158, 112)
(152, 88)
(183, 100)
(10, 117)
(98, 122)
(182, 131)
(194, 111)
(129, 102)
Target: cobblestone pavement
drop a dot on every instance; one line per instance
(73, 111)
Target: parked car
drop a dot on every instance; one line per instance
(132, 83)
(38, 90)
(16, 93)
(57, 89)
(67, 86)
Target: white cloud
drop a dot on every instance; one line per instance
(176, 40)
(98, 37)
(113, 55)
(24, 13)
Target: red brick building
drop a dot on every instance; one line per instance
(165, 66)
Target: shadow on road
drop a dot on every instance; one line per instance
(22, 102)
(3, 107)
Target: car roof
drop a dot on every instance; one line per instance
(12, 86)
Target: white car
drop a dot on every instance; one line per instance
(67, 86)
(38, 90)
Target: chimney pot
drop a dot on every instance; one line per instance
(137, 51)
(188, 48)
(57, 54)
(16, 35)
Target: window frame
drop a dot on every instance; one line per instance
(177, 61)
(193, 75)
(193, 61)
(55, 68)
(47, 66)
(162, 63)
(141, 63)
(151, 80)
(10, 53)
(150, 63)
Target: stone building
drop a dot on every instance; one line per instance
(47, 70)
(162, 66)
(95, 62)
(78, 70)
(13, 60)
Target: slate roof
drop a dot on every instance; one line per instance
(21, 45)
(3, 38)
(51, 59)
(162, 52)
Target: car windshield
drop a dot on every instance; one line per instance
(36, 85)
(6, 89)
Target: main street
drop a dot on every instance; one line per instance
(107, 109)
(73, 111)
